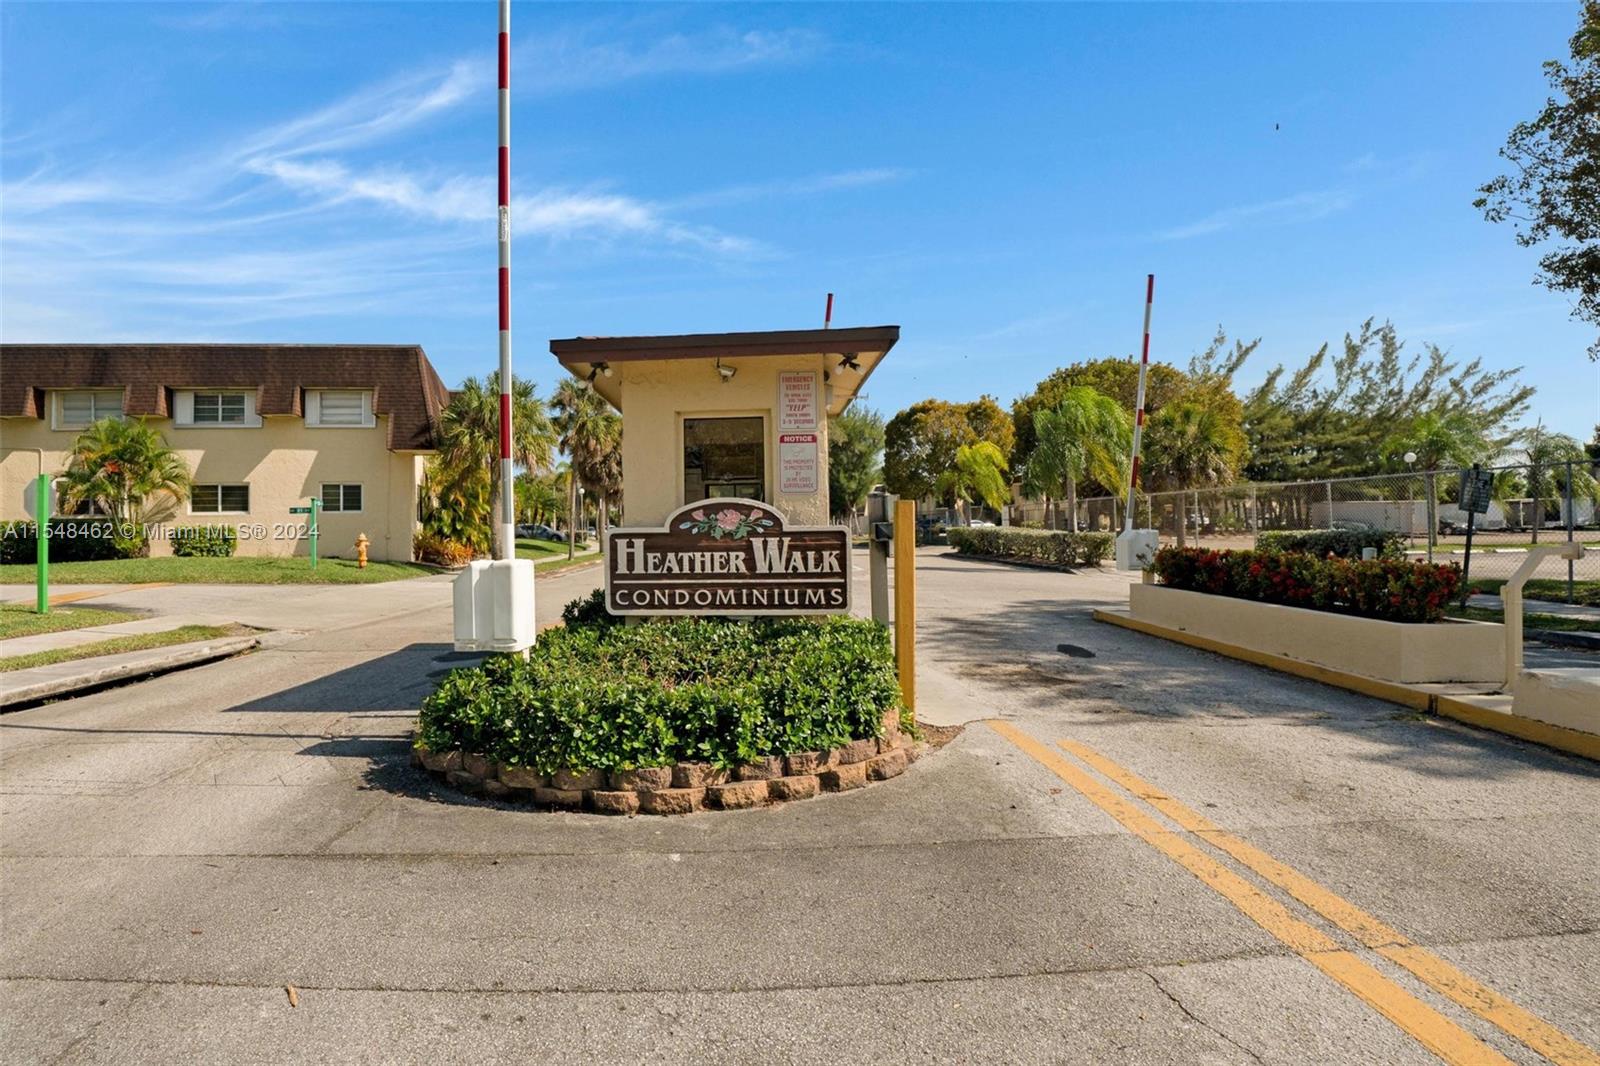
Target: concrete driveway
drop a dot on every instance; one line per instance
(176, 854)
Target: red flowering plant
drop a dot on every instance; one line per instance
(1390, 589)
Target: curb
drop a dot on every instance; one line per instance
(1461, 709)
(177, 657)
(1564, 638)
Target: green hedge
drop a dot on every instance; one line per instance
(1033, 545)
(598, 695)
(72, 540)
(215, 542)
(1345, 543)
(1390, 589)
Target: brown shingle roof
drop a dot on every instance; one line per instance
(405, 385)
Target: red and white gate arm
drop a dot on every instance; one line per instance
(508, 495)
(1138, 414)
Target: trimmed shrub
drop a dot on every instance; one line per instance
(1053, 547)
(440, 550)
(596, 695)
(1346, 543)
(1390, 589)
(212, 542)
(72, 540)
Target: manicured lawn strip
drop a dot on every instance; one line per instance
(19, 620)
(1564, 623)
(1585, 593)
(117, 645)
(240, 570)
(547, 564)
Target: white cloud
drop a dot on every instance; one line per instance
(574, 59)
(1303, 207)
(793, 187)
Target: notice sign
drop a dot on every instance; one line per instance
(728, 557)
(797, 401)
(797, 464)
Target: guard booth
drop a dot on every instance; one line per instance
(727, 415)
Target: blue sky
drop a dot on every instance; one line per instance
(995, 179)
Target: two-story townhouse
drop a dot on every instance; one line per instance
(263, 428)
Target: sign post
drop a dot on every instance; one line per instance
(905, 599)
(41, 516)
(880, 535)
(316, 504)
(1474, 495)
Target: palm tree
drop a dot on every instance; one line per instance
(1086, 435)
(590, 432)
(120, 466)
(1558, 467)
(469, 435)
(979, 470)
(1439, 439)
(1190, 444)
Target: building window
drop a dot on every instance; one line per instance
(219, 499)
(219, 408)
(724, 457)
(83, 406)
(341, 408)
(337, 497)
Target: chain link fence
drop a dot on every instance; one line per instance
(1530, 505)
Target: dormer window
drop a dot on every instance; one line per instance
(219, 408)
(77, 408)
(338, 407)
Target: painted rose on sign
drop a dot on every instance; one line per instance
(730, 523)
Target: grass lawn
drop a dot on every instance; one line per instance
(551, 554)
(19, 620)
(239, 570)
(1564, 623)
(115, 645)
(1586, 593)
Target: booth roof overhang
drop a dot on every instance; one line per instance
(850, 354)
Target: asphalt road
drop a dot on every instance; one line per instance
(174, 854)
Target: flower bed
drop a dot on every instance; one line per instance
(1388, 589)
(1049, 547)
(677, 706)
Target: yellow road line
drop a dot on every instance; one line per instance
(74, 597)
(1393, 945)
(1427, 1026)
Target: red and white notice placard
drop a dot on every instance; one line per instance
(797, 464)
(797, 401)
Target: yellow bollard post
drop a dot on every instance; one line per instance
(905, 599)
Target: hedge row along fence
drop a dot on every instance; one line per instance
(1051, 547)
(1345, 543)
(1390, 589)
(598, 702)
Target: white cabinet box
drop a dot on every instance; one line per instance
(493, 603)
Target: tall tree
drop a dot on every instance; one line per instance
(1117, 378)
(1086, 434)
(1553, 192)
(855, 457)
(590, 432)
(992, 423)
(124, 467)
(1439, 439)
(979, 472)
(920, 443)
(469, 436)
(1557, 468)
(1191, 444)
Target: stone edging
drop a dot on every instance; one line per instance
(685, 787)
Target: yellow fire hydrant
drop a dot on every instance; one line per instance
(361, 552)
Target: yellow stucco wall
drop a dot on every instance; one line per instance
(658, 395)
(284, 462)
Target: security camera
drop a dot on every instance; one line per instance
(727, 372)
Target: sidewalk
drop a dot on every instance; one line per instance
(60, 679)
(1565, 610)
(72, 638)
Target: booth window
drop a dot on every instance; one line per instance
(724, 457)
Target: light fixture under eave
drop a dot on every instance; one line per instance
(848, 361)
(726, 372)
(595, 371)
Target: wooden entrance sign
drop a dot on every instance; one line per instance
(731, 558)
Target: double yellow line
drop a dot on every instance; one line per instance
(1423, 1023)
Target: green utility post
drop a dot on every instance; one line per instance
(41, 514)
(316, 505)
